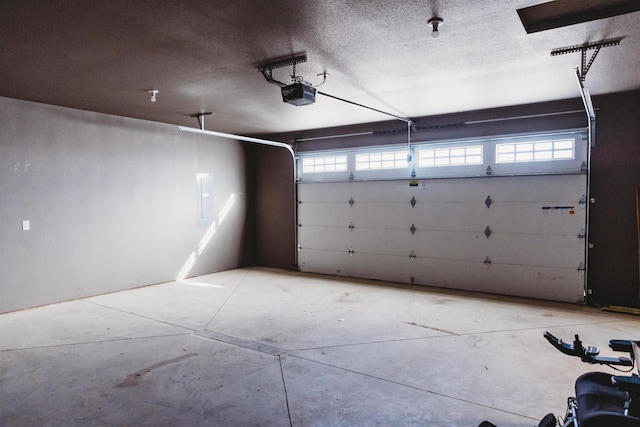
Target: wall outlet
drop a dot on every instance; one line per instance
(26, 225)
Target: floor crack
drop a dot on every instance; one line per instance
(286, 395)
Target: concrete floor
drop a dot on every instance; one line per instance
(273, 348)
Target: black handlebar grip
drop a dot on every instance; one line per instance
(621, 345)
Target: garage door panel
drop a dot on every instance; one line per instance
(536, 250)
(511, 218)
(385, 241)
(324, 214)
(501, 189)
(359, 240)
(324, 192)
(380, 267)
(368, 266)
(547, 188)
(556, 284)
(533, 218)
(463, 246)
(450, 216)
(533, 247)
(324, 262)
(449, 190)
(361, 192)
(380, 215)
(362, 241)
(329, 238)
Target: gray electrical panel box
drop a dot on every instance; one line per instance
(205, 199)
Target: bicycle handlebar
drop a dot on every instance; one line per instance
(587, 354)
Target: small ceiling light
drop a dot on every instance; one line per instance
(153, 93)
(435, 22)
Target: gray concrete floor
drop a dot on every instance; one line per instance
(274, 348)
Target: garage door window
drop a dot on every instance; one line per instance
(385, 160)
(528, 154)
(535, 151)
(324, 164)
(454, 156)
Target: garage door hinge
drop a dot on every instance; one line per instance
(299, 225)
(350, 251)
(583, 201)
(488, 202)
(299, 202)
(351, 176)
(413, 202)
(487, 261)
(489, 171)
(582, 235)
(412, 257)
(351, 202)
(413, 229)
(581, 267)
(584, 167)
(299, 247)
(351, 227)
(487, 231)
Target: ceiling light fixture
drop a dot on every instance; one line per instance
(153, 93)
(435, 22)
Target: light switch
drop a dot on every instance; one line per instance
(26, 225)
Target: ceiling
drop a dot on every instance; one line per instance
(203, 56)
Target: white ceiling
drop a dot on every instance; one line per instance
(203, 56)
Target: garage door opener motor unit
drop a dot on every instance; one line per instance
(298, 94)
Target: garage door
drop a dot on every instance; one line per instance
(492, 231)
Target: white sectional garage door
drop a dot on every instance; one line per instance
(514, 235)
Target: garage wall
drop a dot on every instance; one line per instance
(111, 203)
(613, 264)
(615, 164)
(272, 211)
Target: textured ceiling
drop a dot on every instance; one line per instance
(203, 56)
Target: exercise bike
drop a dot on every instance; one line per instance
(601, 400)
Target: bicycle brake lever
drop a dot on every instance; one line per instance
(561, 345)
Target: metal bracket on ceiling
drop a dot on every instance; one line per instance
(200, 117)
(583, 48)
(292, 60)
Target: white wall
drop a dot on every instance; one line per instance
(111, 203)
